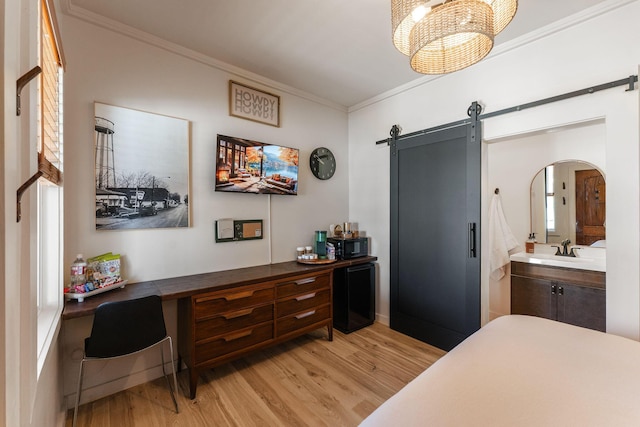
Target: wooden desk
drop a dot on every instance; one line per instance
(225, 315)
(187, 286)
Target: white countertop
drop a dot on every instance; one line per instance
(587, 258)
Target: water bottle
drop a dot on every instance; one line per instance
(78, 271)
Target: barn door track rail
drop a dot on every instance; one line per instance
(476, 109)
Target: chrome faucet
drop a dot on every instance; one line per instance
(565, 252)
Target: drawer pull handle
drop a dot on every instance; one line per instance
(239, 295)
(304, 297)
(305, 281)
(237, 336)
(237, 314)
(302, 316)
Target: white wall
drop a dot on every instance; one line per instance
(110, 68)
(9, 312)
(592, 51)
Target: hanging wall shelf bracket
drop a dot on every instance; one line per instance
(22, 189)
(22, 82)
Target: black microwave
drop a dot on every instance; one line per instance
(350, 248)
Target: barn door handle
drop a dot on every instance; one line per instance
(472, 240)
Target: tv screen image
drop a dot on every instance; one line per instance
(245, 166)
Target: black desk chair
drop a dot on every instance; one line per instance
(123, 328)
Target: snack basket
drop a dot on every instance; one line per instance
(81, 296)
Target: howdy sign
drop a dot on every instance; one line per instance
(253, 104)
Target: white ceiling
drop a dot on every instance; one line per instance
(338, 50)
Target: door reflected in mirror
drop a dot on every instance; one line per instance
(568, 200)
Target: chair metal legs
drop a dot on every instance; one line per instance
(78, 391)
(173, 370)
(171, 389)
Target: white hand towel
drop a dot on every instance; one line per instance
(501, 239)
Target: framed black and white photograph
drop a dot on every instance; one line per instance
(141, 169)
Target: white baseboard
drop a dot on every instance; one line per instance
(383, 319)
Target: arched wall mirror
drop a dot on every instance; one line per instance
(568, 200)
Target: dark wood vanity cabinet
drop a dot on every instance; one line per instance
(568, 295)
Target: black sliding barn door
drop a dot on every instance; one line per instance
(435, 235)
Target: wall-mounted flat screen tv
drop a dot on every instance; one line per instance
(245, 166)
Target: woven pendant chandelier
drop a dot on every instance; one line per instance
(443, 37)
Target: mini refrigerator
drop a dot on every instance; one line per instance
(354, 297)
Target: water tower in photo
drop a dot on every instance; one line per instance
(105, 168)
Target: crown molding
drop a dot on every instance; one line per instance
(82, 14)
(92, 18)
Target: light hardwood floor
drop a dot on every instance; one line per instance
(308, 381)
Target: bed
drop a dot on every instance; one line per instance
(524, 371)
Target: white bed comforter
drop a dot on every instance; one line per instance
(524, 371)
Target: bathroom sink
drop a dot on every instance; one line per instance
(595, 264)
(560, 258)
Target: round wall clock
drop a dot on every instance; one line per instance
(323, 163)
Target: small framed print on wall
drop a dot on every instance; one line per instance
(253, 104)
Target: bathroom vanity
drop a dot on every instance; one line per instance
(570, 291)
(555, 281)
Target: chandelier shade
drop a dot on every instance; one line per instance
(503, 12)
(402, 21)
(453, 36)
(446, 36)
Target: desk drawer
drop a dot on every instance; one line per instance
(234, 341)
(232, 321)
(214, 303)
(298, 321)
(303, 302)
(303, 285)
